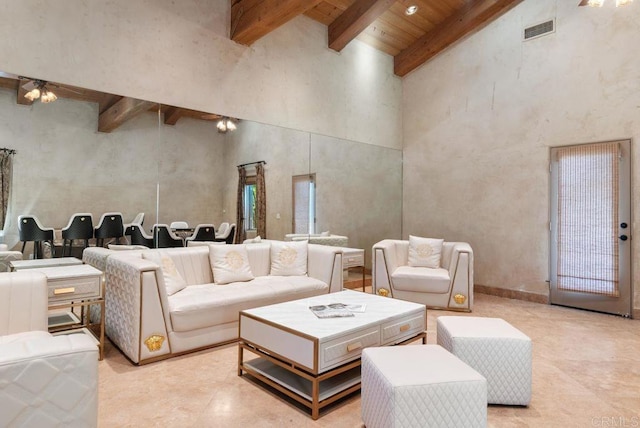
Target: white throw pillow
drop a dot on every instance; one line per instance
(173, 281)
(289, 258)
(230, 263)
(425, 252)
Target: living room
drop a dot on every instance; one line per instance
(466, 137)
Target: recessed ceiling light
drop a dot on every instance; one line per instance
(411, 10)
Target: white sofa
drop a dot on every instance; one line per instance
(147, 324)
(448, 287)
(45, 380)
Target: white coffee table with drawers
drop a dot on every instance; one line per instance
(316, 361)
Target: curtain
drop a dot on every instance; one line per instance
(242, 181)
(6, 166)
(588, 219)
(261, 202)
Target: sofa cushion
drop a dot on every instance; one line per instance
(425, 252)
(421, 279)
(24, 336)
(173, 281)
(206, 305)
(289, 258)
(230, 263)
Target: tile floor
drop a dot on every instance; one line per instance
(586, 373)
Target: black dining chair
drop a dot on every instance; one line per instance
(203, 232)
(110, 226)
(80, 227)
(139, 237)
(164, 238)
(30, 230)
(228, 235)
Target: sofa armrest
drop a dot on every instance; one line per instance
(461, 271)
(34, 372)
(325, 263)
(134, 306)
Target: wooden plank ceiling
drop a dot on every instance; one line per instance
(113, 110)
(411, 39)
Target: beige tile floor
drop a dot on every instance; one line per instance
(586, 373)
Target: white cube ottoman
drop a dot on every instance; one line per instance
(420, 386)
(497, 350)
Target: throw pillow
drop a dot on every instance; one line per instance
(425, 252)
(289, 258)
(173, 281)
(230, 263)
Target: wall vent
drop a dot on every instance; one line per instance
(539, 30)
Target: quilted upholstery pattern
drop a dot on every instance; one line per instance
(49, 382)
(502, 355)
(390, 401)
(122, 306)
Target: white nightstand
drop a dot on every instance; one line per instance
(351, 258)
(75, 286)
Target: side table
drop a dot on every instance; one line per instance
(70, 287)
(42, 263)
(351, 258)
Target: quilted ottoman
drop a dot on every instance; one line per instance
(497, 350)
(420, 386)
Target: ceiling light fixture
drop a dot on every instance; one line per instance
(225, 124)
(411, 10)
(600, 3)
(40, 91)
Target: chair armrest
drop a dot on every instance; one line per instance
(385, 261)
(325, 263)
(461, 272)
(56, 376)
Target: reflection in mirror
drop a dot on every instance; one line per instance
(64, 166)
(95, 152)
(358, 191)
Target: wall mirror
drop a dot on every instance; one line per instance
(172, 164)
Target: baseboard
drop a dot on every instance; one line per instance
(635, 314)
(511, 294)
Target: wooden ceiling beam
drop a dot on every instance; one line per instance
(470, 18)
(125, 109)
(355, 20)
(253, 19)
(172, 115)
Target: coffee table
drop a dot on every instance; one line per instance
(316, 361)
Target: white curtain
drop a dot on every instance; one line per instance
(588, 191)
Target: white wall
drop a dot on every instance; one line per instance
(479, 121)
(179, 53)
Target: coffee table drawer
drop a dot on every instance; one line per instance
(347, 348)
(400, 329)
(68, 289)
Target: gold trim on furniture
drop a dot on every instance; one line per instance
(154, 342)
(405, 327)
(460, 298)
(383, 292)
(354, 346)
(66, 290)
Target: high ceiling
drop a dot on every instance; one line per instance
(411, 39)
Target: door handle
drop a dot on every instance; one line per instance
(623, 237)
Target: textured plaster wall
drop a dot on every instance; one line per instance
(63, 165)
(479, 121)
(179, 53)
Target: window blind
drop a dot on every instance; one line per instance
(588, 190)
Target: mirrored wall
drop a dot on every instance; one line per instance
(187, 171)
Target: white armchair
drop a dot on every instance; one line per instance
(45, 380)
(448, 287)
(7, 256)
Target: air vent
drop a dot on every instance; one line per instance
(539, 30)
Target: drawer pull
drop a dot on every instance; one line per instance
(64, 290)
(354, 346)
(404, 327)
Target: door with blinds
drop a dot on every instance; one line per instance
(591, 227)
(304, 203)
